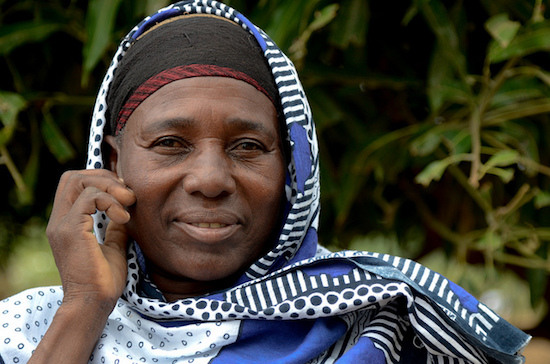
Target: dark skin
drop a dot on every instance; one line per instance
(197, 179)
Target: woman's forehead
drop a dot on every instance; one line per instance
(191, 102)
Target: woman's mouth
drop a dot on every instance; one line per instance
(208, 232)
(209, 225)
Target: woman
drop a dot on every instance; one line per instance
(211, 187)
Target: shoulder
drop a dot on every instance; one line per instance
(24, 319)
(33, 297)
(30, 305)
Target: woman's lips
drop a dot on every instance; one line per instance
(209, 218)
(209, 225)
(208, 233)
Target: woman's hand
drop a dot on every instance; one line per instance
(93, 275)
(89, 270)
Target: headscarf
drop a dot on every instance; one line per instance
(297, 304)
(185, 46)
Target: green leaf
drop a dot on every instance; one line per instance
(460, 140)
(6, 160)
(542, 199)
(100, 21)
(58, 145)
(327, 112)
(426, 144)
(502, 29)
(447, 91)
(18, 34)
(351, 24)
(525, 87)
(435, 170)
(30, 174)
(411, 13)
(514, 96)
(538, 281)
(322, 18)
(531, 41)
(11, 105)
(443, 28)
(376, 241)
(350, 187)
(289, 19)
(154, 5)
(544, 76)
(503, 158)
(490, 240)
(521, 137)
(505, 175)
(439, 73)
(517, 110)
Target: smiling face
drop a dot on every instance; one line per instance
(203, 156)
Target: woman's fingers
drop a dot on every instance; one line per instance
(114, 250)
(92, 199)
(79, 195)
(87, 268)
(116, 237)
(73, 183)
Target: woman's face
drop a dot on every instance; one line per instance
(203, 156)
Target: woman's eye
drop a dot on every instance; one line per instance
(171, 144)
(168, 143)
(248, 145)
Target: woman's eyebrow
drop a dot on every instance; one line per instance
(238, 124)
(170, 123)
(250, 125)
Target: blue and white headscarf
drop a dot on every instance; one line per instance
(297, 304)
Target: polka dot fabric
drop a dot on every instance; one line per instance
(24, 321)
(127, 337)
(297, 304)
(374, 305)
(130, 338)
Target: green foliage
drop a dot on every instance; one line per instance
(15, 35)
(432, 117)
(30, 264)
(99, 30)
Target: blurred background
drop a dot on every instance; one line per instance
(432, 117)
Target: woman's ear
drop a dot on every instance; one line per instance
(113, 151)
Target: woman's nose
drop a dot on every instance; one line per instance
(209, 173)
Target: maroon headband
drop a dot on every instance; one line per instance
(163, 78)
(180, 48)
